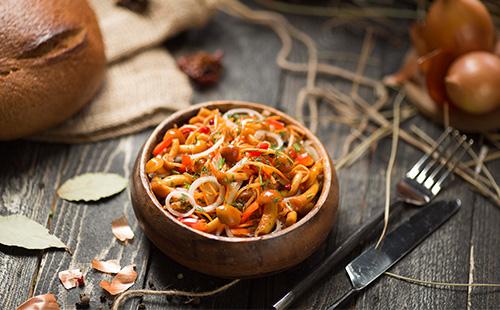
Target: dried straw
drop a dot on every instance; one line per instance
(138, 293)
(390, 165)
(329, 11)
(365, 53)
(490, 157)
(437, 283)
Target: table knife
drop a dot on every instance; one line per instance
(353, 242)
(373, 262)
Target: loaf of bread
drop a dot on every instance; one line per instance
(52, 63)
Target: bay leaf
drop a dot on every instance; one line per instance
(92, 186)
(18, 230)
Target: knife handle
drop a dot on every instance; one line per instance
(355, 240)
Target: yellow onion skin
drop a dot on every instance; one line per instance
(473, 82)
(437, 63)
(457, 26)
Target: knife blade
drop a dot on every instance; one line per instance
(372, 263)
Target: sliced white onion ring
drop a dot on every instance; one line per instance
(238, 165)
(194, 186)
(278, 226)
(228, 231)
(311, 150)
(291, 140)
(176, 193)
(242, 111)
(230, 123)
(264, 133)
(210, 150)
(189, 126)
(233, 187)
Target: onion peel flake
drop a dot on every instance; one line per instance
(45, 302)
(71, 278)
(121, 282)
(106, 266)
(121, 229)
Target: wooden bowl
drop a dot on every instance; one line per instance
(231, 257)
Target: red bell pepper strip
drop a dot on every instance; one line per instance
(241, 231)
(186, 130)
(249, 211)
(204, 129)
(162, 146)
(305, 159)
(200, 225)
(275, 123)
(292, 153)
(263, 145)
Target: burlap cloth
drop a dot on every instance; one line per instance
(143, 84)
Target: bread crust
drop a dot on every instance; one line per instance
(52, 63)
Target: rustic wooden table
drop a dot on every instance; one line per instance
(464, 249)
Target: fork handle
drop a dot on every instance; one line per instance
(363, 233)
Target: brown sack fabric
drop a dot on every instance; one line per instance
(143, 84)
(137, 93)
(126, 32)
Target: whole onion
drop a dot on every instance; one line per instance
(451, 28)
(458, 26)
(473, 82)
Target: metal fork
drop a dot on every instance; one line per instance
(425, 179)
(418, 187)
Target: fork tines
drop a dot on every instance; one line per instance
(449, 150)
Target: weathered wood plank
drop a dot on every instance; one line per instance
(484, 264)
(86, 227)
(249, 54)
(29, 171)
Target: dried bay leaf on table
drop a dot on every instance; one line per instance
(18, 230)
(92, 186)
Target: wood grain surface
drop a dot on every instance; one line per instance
(466, 248)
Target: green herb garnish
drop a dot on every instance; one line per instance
(204, 170)
(296, 146)
(220, 163)
(237, 205)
